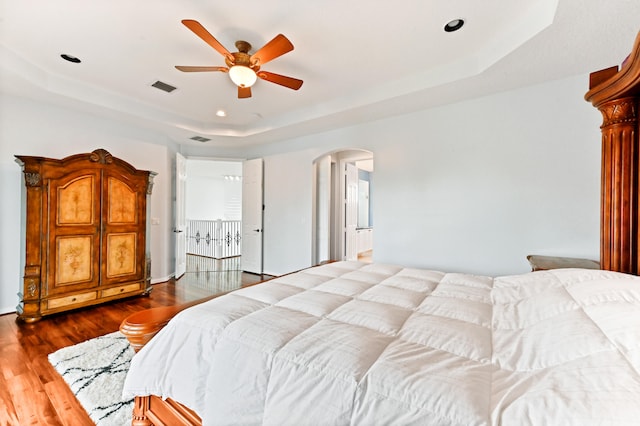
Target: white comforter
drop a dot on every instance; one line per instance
(350, 343)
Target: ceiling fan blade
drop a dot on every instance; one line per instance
(244, 92)
(282, 80)
(276, 47)
(186, 68)
(201, 32)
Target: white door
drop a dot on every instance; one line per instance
(351, 212)
(180, 224)
(322, 210)
(252, 206)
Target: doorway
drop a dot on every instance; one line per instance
(211, 233)
(342, 217)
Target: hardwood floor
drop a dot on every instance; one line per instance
(32, 392)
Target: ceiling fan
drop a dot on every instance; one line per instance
(244, 68)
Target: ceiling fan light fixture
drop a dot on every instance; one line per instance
(242, 76)
(242, 66)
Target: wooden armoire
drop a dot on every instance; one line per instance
(86, 239)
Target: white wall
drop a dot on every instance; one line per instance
(471, 187)
(204, 198)
(28, 128)
(209, 196)
(491, 181)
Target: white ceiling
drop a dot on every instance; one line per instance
(360, 60)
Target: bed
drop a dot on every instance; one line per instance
(372, 344)
(357, 343)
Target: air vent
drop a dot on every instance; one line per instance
(163, 86)
(70, 58)
(200, 139)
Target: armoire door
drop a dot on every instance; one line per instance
(73, 232)
(123, 224)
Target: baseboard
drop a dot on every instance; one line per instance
(161, 280)
(8, 310)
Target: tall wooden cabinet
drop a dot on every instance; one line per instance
(86, 241)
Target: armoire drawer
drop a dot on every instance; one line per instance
(59, 302)
(129, 288)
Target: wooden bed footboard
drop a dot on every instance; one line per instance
(154, 411)
(139, 329)
(150, 410)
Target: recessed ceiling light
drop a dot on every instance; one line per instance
(454, 25)
(70, 58)
(221, 113)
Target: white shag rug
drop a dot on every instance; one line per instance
(95, 371)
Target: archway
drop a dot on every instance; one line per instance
(342, 218)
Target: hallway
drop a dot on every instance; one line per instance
(212, 276)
